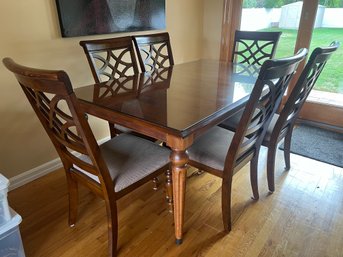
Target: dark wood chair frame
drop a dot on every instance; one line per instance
(274, 75)
(93, 49)
(71, 132)
(283, 128)
(255, 44)
(155, 59)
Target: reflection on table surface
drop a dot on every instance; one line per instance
(177, 97)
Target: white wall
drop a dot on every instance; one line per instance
(290, 16)
(333, 18)
(259, 18)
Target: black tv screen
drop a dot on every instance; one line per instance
(90, 17)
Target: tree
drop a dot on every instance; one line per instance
(279, 3)
(273, 3)
(331, 3)
(253, 3)
(249, 4)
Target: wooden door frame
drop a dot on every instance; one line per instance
(232, 13)
(316, 112)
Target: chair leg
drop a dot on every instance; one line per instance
(73, 200)
(287, 149)
(113, 130)
(169, 190)
(254, 176)
(112, 221)
(226, 203)
(271, 166)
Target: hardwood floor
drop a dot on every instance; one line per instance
(303, 217)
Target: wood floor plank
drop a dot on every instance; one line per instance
(302, 218)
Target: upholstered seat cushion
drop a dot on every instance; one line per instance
(130, 158)
(211, 148)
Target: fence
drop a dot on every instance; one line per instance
(260, 18)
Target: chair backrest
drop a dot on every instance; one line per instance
(110, 58)
(154, 51)
(304, 85)
(264, 100)
(254, 47)
(51, 95)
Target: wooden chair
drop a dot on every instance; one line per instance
(154, 51)
(222, 152)
(281, 125)
(109, 59)
(254, 47)
(110, 170)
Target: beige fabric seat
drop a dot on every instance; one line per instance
(129, 159)
(212, 148)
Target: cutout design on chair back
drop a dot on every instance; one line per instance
(305, 84)
(52, 98)
(110, 58)
(111, 64)
(254, 47)
(154, 51)
(116, 87)
(265, 98)
(157, 77)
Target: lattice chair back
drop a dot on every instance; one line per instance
(110, 58)
(254, 47)
(51, 95)
(264, 100)
(304, 85)
(154, 51)
(116, 88)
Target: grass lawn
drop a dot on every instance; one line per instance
(331, 79)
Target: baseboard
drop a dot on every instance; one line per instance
(37, 172)
(34, 173)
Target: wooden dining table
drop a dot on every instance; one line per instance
(175, 105)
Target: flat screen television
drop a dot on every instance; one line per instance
(90, 17)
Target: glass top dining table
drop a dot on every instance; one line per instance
(175, 105)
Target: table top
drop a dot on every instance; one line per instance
(180, 99)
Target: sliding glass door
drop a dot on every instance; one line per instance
(273, 16)
(307, 23)
(328, 28)
(325, 103)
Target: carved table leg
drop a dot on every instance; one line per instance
(169, 190)
(179, 160)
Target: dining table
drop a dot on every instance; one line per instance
(175, 105)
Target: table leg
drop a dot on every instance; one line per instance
(169, 190)
(179, 159)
